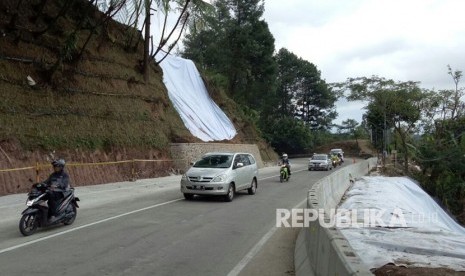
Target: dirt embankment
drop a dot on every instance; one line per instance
(392, 270)
(12, 156)
(90, 102)
(351, 148)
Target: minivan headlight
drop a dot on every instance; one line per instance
(219, 178)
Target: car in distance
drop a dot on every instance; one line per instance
(222, 174)
(320, 162)
(337, 152)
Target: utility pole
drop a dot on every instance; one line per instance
(384, 134)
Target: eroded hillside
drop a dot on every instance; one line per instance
(88, 101)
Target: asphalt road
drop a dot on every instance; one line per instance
(147, 228)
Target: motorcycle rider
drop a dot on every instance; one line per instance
(58, 183)
(285, 161)
(335, 159)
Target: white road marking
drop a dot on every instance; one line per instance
(249, 256)
(121, 188)
(257, 247)
(265, 238)
(86, 225)
(86, 193)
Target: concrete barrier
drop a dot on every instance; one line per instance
(325, 251)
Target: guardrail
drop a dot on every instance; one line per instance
(325, 251)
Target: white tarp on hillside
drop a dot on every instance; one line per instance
(190, 98)
(431, 238)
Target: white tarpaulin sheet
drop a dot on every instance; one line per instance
(430, 239)
(186, 90)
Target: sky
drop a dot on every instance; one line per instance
(403, 40)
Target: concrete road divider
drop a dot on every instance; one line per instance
(324, 250)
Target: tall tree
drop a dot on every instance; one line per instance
(288, 81)
(348, 126)
(441, 151)
(457, 109)
(316, 99)
(185, 12)
(145, 68)
(302, 93)
(399, 103)
(251, 48)
(209, 47)
(239, 48)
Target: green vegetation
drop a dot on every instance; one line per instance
(390, 105)
(425, 127)
(284, 94)
(441, 155)
(55, 121)
(89, 103)
(93, 90)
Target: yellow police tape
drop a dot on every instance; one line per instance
(39, 166)
(152, 160)
(16, 169)
(99, 163)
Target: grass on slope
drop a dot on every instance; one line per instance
(99, 102)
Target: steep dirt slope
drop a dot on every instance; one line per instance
(89, 102)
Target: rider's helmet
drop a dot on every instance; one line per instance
(284, 155)
(59, 163)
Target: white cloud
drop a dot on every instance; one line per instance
(405, 40)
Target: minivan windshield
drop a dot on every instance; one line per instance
(320, 157)
(214, 161)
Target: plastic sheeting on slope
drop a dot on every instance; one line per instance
(431, 238)
(186, 90)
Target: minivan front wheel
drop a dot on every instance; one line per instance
(188, 196)
(230, 195)
(253, 188)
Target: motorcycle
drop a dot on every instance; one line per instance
(336, 161)
(283, 174)
(37, 212)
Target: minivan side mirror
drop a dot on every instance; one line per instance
(239, 165)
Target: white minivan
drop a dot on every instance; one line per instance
(221, 173)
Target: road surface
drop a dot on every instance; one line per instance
(147, 228)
